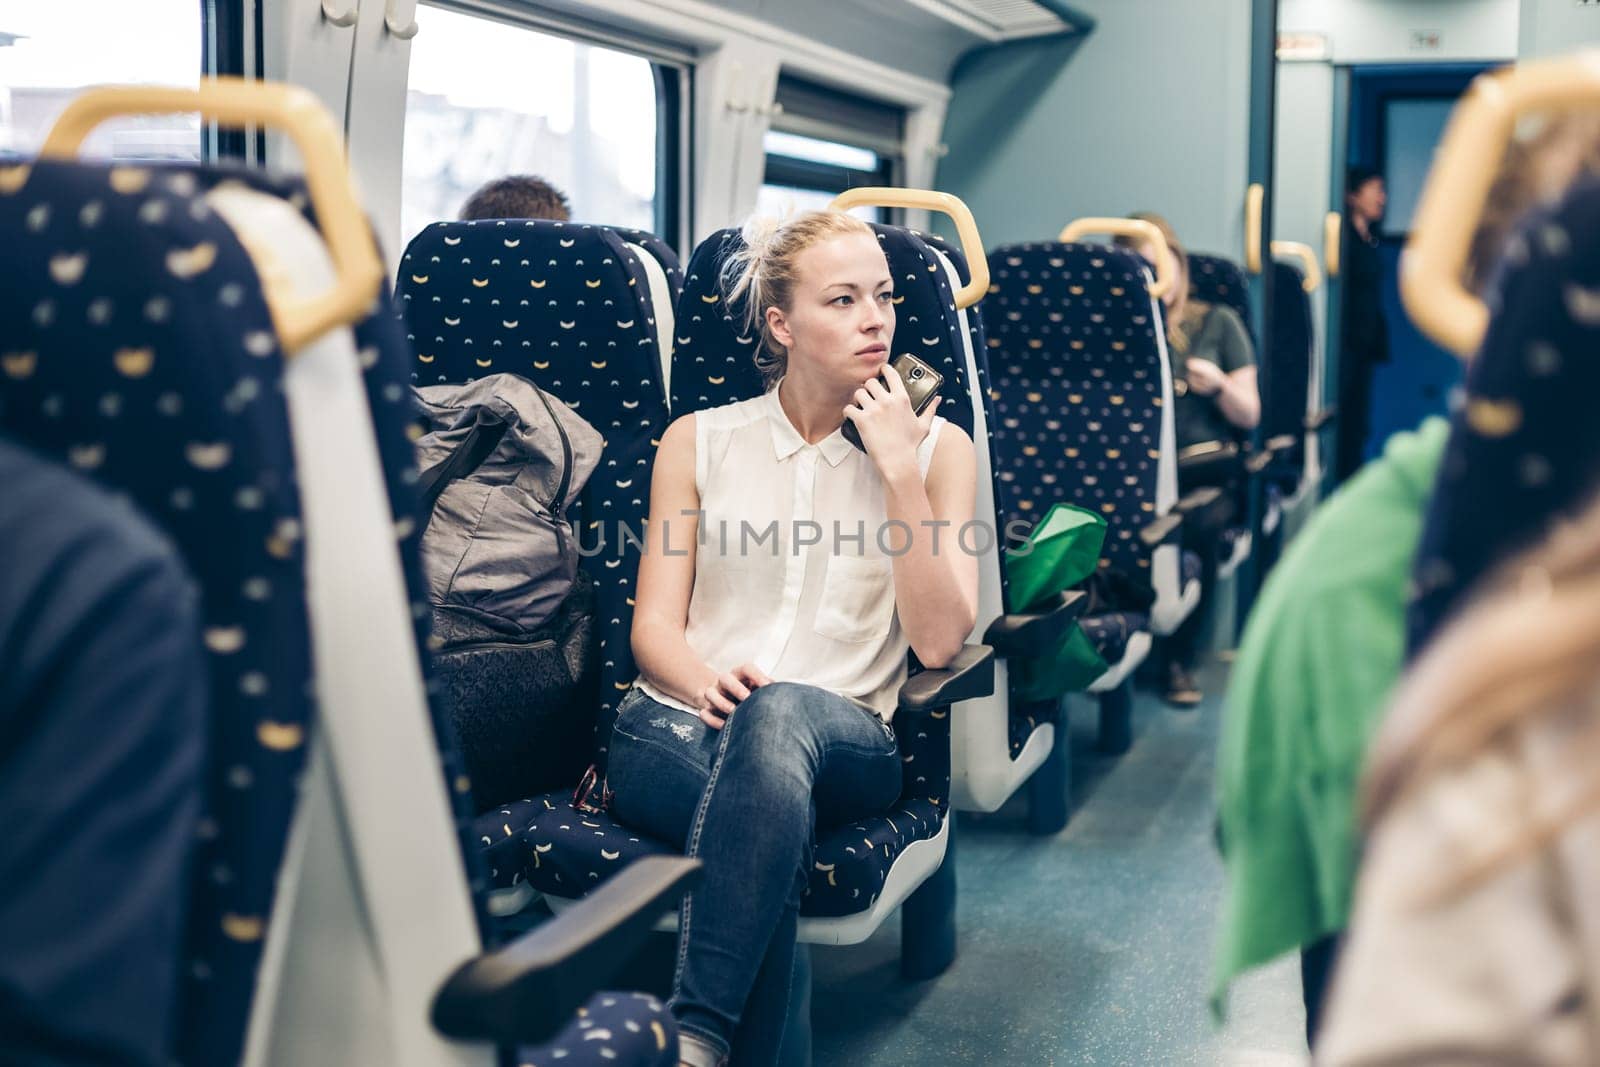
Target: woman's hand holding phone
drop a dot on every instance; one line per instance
(890, 431)
(719, 699)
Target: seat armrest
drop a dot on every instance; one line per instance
(1039, 632)
(1208, 455)
(1197, 499)
(1162, 530)
(969, 676)
(1317, 420)
(524, 993)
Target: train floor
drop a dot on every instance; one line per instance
(1090, 947)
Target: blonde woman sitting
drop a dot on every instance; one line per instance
(770, 666)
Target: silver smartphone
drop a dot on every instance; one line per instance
(922, 384)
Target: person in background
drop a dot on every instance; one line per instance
(1215, 399)
(519, 196)
(1326, 644)
(1364, 335)
(1321, 650)
(1476, 933)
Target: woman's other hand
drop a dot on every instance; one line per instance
(727, 690)
(1205, 377)
(889, 429)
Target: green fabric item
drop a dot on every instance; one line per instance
(1070, 669)
(1320, 654)
(1061, 550)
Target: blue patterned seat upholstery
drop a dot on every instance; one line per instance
(1221, 281)
(1524, 448)
(568, 307)
(631, 1029)
(138, 349)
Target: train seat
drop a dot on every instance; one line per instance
(1082, 390)
(1289, 405)
(134, 358)
(609, 1027)
(569, 307)
(997, 743)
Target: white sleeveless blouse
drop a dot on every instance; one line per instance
(791, 568)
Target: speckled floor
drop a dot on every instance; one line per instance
(1091, 947)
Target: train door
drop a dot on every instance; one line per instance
(1396, 115)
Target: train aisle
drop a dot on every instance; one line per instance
(1096, 947)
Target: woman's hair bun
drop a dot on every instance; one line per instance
(759, 231)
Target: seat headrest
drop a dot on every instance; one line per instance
(1218, 280)
(1074, 301)
(529, 297)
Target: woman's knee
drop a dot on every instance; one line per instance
(779, 710)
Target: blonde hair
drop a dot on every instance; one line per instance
(1549, 153)
(1524, 650)
(1177, 334)
(763, 273)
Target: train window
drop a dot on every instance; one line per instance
(805, 174)
(49, 51)
(488, 99)
(823, 142)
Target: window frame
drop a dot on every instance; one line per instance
(231, 38)
(672, 69)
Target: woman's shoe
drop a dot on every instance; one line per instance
(1181, 690)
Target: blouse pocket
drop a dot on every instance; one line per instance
(857, 599)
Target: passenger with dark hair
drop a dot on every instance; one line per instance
(517, 196)
(1364, 335)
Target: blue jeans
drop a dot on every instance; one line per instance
(746, 800)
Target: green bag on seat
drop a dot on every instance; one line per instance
(1061, 551)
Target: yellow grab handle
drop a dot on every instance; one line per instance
(1254, 198)
(237, 101)
(1308, 261)
(1464, 168)
(1332, 235)
(929, 200)
(1146, 232)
